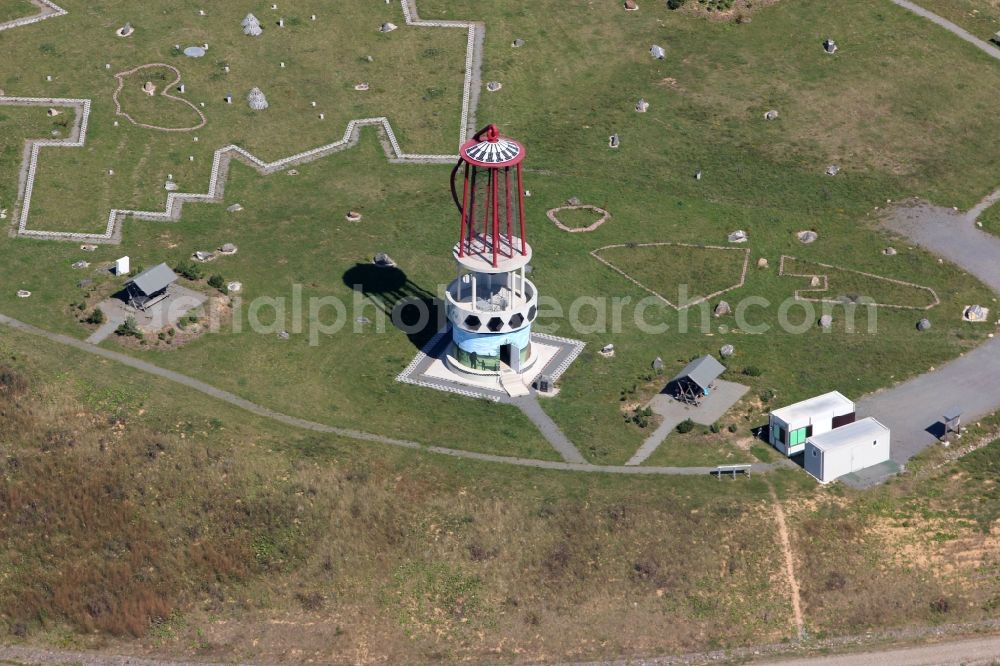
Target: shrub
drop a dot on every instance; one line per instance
(733, 427)
(766, 395)
(715, 428)
(675, 4)
(189, 270)
(685, 426)
(217, 282)
(95, 317)
(752, 371)
(129, 328)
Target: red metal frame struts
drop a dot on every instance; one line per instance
(520, 209)
(465, 210)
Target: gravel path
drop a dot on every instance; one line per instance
(950, 27)
(972, 381)
(348, 433)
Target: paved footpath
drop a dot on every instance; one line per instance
(970, 382)
(529, 405)
(348, 433)
(950, 27)
(974, 652)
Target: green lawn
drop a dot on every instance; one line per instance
(323, 62)
(990, 219)
(896, 139)
(844, 283)
(679, 273)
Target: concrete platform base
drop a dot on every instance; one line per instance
(430, 367)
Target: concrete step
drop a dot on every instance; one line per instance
(512, 383)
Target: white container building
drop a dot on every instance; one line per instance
(847, 449)
(791, 426)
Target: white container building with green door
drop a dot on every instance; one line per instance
(791, 426)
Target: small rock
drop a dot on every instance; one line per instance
(203, 256)
(829, 46)
(362, 320)
(573, 201)
(363, 86)
(815, 281)
(170, 186)
(54, 112)
(494, 86)
(657, 52)
(642, 106)
(228, 248)
(353, 216)
(771, 115)
(826, 321)
(832, 170)
(235, 208)
(608, 350)
(807, 236)
(292, 172)
(698, 174)
(613, 141)
(283, 335)
(762, 263)
(384, 260)
(657, 364)
(726, 351)
(722, 309)
(889, 252)
(738, 236)
(517, 43)
(388, 27)
(976, 313)
(23, 293)
(234, 287)
(923, 325)
(631, 5)
(80, 264)
(88, 247)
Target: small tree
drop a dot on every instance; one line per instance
(129, 328)
(685, 426)
(216, 281)
(96, 317)
(675, 4)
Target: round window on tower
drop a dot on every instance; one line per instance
(517, 320)
(532, 311)
(472, 322)
(495, 324)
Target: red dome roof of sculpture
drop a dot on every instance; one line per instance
(488, 149)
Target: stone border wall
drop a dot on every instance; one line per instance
(223, 156)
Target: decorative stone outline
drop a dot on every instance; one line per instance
(826, 285)
(46, 9)
(702, 299)
(129, 72)
(577, 350)
(552, 215)
(223, 156)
